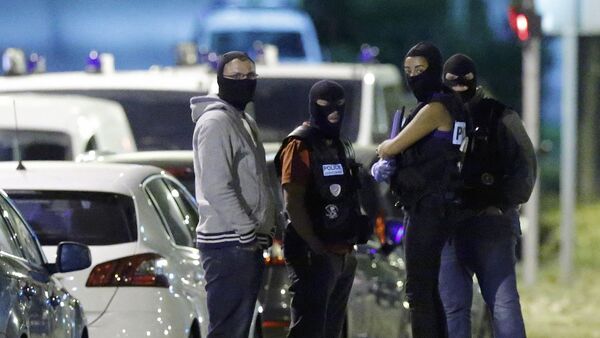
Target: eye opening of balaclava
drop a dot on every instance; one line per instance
(235, 92)
(332, 95)
(429, 81)
(461, 65)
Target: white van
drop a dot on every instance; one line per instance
(61, 127)
(238, 28)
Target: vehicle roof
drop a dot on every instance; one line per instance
(157, 157)
(57, 112)
(192, 78)
(386, 73)
(72, 176)
(196, 78)
(248, 19)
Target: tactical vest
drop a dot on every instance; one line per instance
(483, 168)
(433, 164)
(332, 191)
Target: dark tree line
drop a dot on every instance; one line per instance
(395, 25)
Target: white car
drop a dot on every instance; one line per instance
(61, 127)
(146, 279)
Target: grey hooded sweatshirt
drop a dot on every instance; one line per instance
(235, 203)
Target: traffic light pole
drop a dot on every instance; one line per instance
(568, 144)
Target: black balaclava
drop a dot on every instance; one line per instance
(461, 65)
(332, 92)
(430, 81)
(235, 92)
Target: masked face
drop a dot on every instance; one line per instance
(326, 106)
(237, 82)
(460, 75)
(423, 69)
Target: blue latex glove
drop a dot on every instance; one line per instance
(382, 170)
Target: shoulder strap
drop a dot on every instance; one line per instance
(304, 133)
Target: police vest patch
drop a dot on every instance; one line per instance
(333, 169)
(331, 211)
(460, 132)
(335, 189)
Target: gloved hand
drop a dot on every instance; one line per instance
(382, 170)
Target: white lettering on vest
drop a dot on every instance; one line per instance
(460, 131)
(333, 169)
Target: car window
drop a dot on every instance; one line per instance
(388, 99)
(170, 126)
(187, 206)
(164, 201)
(289, 44)
(91, 218)
(7, 241)
(35, 145)
(27, 241)
(280, 105)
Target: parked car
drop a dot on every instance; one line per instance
(274, 315)
(33, 302)
(146, 278)
(378, 287)
(156, 101)
(61, 127)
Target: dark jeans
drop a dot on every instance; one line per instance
(233, 276)
(320, 285)
(426, 233)
(485, 246)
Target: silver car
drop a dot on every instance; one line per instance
(32, 302)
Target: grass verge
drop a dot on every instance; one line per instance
(555, 309)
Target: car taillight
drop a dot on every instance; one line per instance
(275, 324)
(380, 226)
(138, 270)
(274, 255)
(181, 172)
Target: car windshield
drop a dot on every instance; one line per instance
(35, 145)
(280, 105)
(158, 119)
(289, 44)
(92, 218)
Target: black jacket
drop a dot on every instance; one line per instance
(500, 167)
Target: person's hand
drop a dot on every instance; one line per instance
(382, 149)
(317, 247)
(252, 246)
(491, 211)
(382, 170)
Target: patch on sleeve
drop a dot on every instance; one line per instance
(460, 132)
(333, 169)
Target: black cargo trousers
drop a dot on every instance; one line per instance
(429, 227)
(320, 287)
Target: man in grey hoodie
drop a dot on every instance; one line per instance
(237, 214)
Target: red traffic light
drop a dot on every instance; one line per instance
(524, 22)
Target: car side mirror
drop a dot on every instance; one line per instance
(72, 256)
